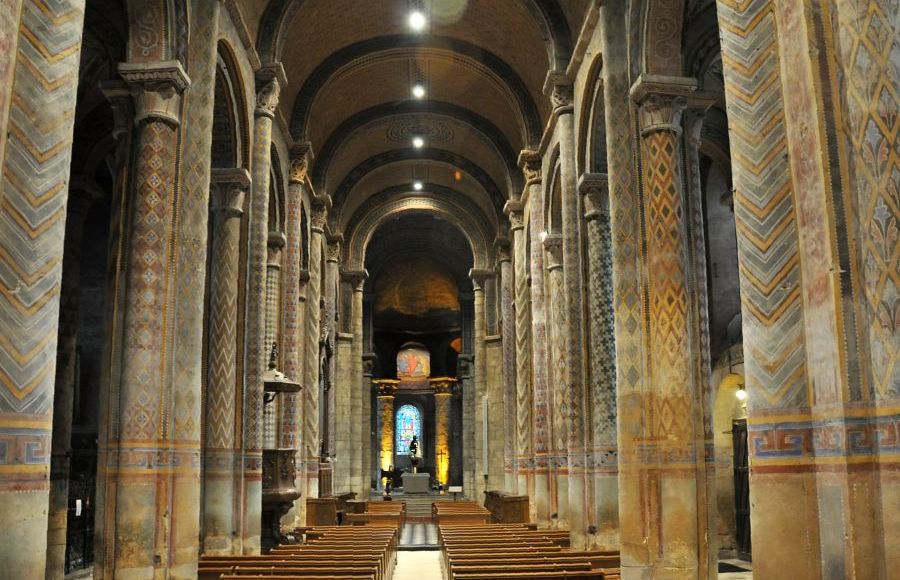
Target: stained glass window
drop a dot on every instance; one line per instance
(409, 423)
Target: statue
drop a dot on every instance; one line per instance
(413, 454)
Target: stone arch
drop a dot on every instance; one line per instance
(456, 51)
(479, 125)
(548, 17)
(159, 30)
(231, 132)
(553, 197)
(428, 154)
(276, 194)
(592, 131)
(398, 201)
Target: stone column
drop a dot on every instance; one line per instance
(359, 389)
(35, 152)
(274, 249)
(220, 498)
(82, 194)
(541, 421)
(386, 390)
(270, 80)
(508, 334)
(560, 90)
(604, 452)
(320, 207)
(293, 308)
(443, 390)
(665, 459)
(149, 464)
(332, 301)
(524, 454)
(479, 277)
(558, 467)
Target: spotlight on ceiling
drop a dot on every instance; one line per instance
(418, 142)
(741, 394)
(417, 185)
(417, 21)
(418, 91)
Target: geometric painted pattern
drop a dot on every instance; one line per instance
(768, 246)
(867, 52)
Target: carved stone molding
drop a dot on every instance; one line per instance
(661, 99)
(595, 189)
(156, 88)
(530, 162)
(118, 93)
(553, 247)
(514, 212)
(502, 249)
(229, 187)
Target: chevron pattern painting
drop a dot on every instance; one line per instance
(868, 40)
(524, 448)
(775, 351)
(38, 108)
(311, 353)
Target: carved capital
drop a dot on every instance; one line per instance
(553, 248)
(479, 277)
(595, 189)
(661, 101)
(558, 87)
(269, 82)
(356, 279)
(385, 388)
(501, 247)
(274, 247)
(442, 385)
(319, 213)
(156, 88)
(120, 99)
(301, 157)
(514, 212)
(531, 162)
(229, 187)
(335, 244)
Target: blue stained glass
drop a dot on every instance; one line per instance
(409, 423)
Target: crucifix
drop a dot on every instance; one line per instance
(440, 457)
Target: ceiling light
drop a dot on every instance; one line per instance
(418, 142)
(741, 394)
(417, 21)
(418, 91)
(417, 185)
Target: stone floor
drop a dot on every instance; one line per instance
(418, 536)
(746, 575)
(422, 565)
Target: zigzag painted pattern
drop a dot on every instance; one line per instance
(774, 344)
(311, 346)
(223, 333)
(33, 206)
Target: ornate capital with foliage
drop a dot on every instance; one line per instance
(661, 101)
(515, 214)
(530, 162)
(269, 82)
(156, 88)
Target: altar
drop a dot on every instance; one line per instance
(416, 482)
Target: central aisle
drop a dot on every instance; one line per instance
(421, 565)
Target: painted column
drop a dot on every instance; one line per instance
(359, 387)
(542, 432)
(270, 80)
(668, 455)
(508, 333)
(319, 214)
(149, 465)
(82, 195)
(560, 89)
(524, 454)
(386, 390)
(274, 249)
(292, 306)
(479, 277)
(625, 226)
(443, 390)
(221, 500)
(332, 300)
(38, 77)
(604, 453)
(559, 485)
